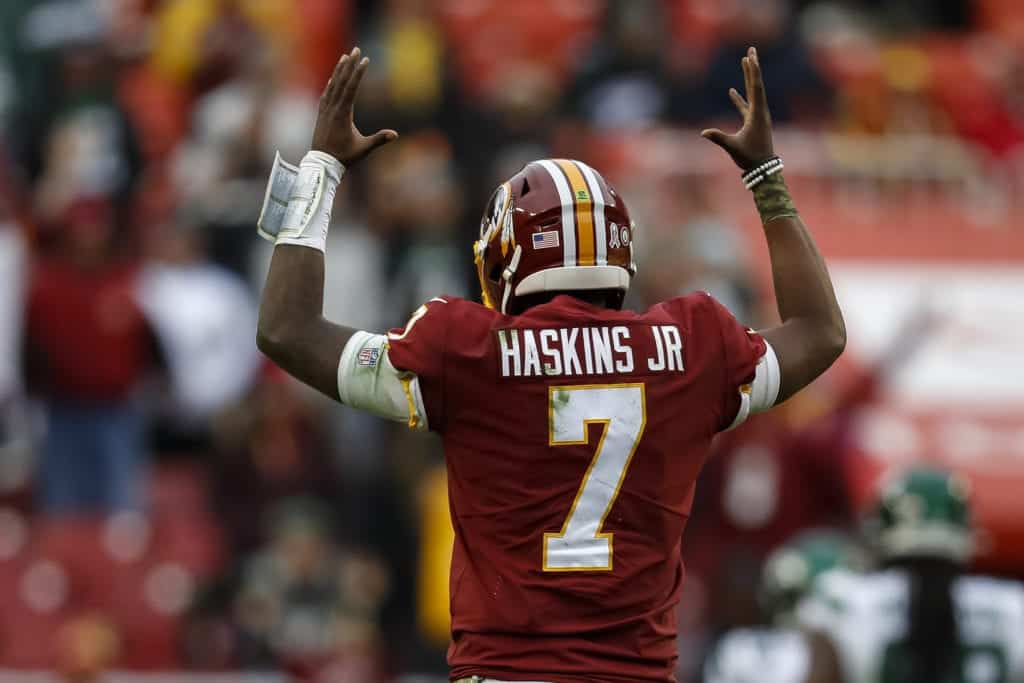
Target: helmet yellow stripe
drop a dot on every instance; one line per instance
(568, 211)
(584, 208)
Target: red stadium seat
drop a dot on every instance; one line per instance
(137, 571)
(25, 639)
(195, 543)
(697, 24)
(484, 35)
(176, 490)
(34, 597)
(147, 605)
(183, 530)
(76, 545)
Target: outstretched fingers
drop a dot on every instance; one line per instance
(748, 78)
(333, 82)
(348, 97)
(351, 59)
(741, 104)
(339, 79)
(757, 93)
(382, 137)
(720, 137)
(717, 136)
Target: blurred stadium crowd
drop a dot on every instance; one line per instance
(170, 501)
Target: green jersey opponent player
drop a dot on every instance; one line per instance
(573, 430)
(785, 652)
(920, 618)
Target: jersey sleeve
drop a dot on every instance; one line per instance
(750, 370)
(398, 376)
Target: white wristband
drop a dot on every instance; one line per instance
(308, 215)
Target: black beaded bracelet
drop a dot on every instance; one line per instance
(756, 175)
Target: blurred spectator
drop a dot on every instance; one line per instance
(289, 589)
(14, 432)
(324, 28)
(979, 90)
(237, 126)
(201, 43)
(512, 124)
(306, 602)
(88, 350)
(409, 85)
(690, 245)
(796, 91)
(269, 449)
(764, 484)
(422, 170)
(782, 473)
(68, 129)
(908, 15)
(7, 92)
(202, 316)
(355, 262)
(436, 540)
(13, 274)
(625, 82)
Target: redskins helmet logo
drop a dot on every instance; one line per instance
(491, 219)
(508, 235)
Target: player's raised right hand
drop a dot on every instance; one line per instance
(336, 132)
(752, 144)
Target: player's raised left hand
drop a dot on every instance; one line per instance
(753, 143)
(336, 132)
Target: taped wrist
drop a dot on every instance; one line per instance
(771, 196)
(308, 215)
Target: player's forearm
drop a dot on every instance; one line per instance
(292, 330)
(803, 288)
(811, 318)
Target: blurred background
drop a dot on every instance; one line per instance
(171, 503)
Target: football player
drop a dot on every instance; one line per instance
(785, 652)
(573, 430)
(919, 618)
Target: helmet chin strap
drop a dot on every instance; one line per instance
(507, 276)
(632, 259)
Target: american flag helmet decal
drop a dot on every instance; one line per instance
(545, 240)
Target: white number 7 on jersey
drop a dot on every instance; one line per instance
(621, 408)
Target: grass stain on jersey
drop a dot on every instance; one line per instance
(560, 399)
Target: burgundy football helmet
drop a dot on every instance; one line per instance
(555, 226)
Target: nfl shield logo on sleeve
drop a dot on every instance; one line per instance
(368, 356)
(545, 240)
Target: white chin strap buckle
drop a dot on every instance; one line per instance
(507, 276)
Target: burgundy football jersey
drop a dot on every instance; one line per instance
(573, 436)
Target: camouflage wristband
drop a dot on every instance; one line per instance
(771, 196)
